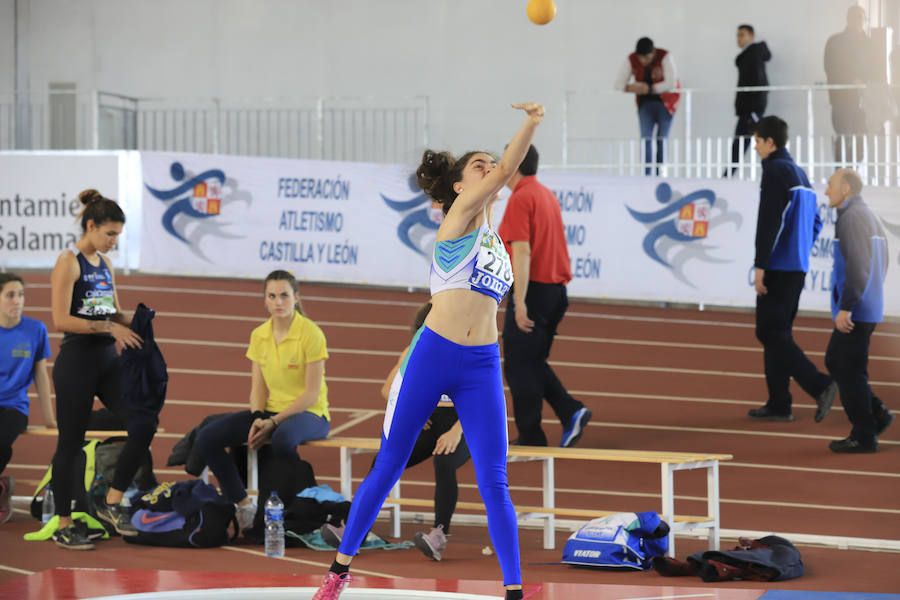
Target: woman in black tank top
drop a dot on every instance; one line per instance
(86, 310)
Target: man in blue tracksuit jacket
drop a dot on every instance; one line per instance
(786, 228)
(857, 306)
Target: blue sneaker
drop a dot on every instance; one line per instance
(573, 431)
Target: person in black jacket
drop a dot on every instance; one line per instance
(857, 306)
(748, 106)
(850, 58)
(787, 226)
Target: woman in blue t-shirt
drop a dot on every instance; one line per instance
(24, 350)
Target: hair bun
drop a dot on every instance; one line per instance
(90, 195)
(434, 166)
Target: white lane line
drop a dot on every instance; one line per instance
(582, 491)
(363, 415)
(596, 340)
(15, 570)
(314, 563)
(683, 399)
(605, 366)
(809, 469)
(714, 430)
(668, 320)
(670, 597)
(691, 346)
(333, 299)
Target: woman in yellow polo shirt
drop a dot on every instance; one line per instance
(288, 395)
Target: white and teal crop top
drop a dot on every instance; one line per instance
(477, 261)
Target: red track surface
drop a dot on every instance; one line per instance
(656, 379)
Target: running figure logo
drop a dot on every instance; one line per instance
(194, 202)
(683, 225)
(420, 222)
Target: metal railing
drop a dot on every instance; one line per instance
(594, 135)
(695, 150)
(365, 129)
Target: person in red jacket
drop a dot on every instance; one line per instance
(533, 231)
(649, 73)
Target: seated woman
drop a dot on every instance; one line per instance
(23, 359)
(288, 395)
(441, 438)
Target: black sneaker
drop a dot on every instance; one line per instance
(332, 535)
(117, 516)
(825, 400)
(883, 420)
(848, 445)
(73, 537)
(765, 413)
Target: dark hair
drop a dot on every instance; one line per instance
(747, 28)
(644, 46)
(438, 172)
(419, 319)
(529, 164)
(852, 179)
(98, 209)
(773, 127)
(280, 275)
(10, 277)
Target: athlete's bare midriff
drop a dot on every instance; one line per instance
(463, 317)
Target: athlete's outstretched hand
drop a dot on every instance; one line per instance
(535, 110)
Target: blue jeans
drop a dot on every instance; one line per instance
(232, 430)
(654, 114)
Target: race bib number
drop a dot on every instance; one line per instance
(493, 269)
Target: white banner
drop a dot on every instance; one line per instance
(324, 221)
(39, 203)
(630, 238)
(688, 240)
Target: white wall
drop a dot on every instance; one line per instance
(471, 57)
(7, 50)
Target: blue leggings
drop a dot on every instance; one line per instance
(471, 376)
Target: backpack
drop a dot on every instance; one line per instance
(186, 514)
(97, 463)
(622, 540)
(287, 475)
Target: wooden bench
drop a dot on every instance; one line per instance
(101, 433)
(669, 462)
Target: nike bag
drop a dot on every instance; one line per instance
(621, 541)
(187, 514)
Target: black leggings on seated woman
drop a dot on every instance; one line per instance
(88, 366)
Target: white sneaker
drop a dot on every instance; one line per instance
(245, 516)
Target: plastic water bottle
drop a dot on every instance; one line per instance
(48, 507)
(274, 511)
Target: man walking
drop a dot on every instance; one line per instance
(533, 232)
(748, 106)
(857, 305)
(787, 226)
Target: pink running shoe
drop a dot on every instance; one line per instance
(433, 543)
(333, 586)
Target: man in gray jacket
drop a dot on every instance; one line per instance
(857, 306)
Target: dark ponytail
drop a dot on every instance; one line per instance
(280, 275)
(98, 209)
(437, 174)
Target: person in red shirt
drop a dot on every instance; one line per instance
(533, 232)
